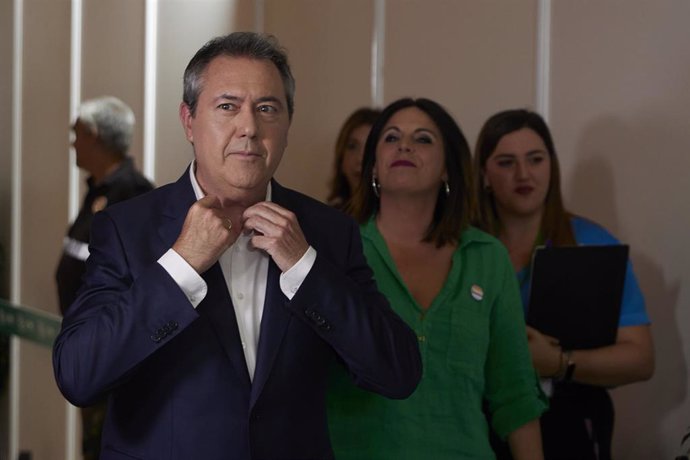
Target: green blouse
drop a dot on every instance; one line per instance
(474, 347)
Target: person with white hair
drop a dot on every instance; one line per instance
(102, 134)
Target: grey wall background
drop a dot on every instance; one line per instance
(618, 102)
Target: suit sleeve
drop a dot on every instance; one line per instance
(118, 320)
(343, 305)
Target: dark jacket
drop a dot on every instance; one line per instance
(124, 183)
(177, 377)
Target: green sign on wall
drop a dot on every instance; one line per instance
(28, 323)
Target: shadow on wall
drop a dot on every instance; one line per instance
(592, 184)
(648, 419)
(653, 407)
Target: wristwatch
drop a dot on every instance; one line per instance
(570, 366)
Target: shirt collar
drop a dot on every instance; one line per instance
(200, 193)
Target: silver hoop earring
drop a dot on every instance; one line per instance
(447, 187)
(375, 186)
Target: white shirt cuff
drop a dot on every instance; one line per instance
(291, 280)
(191, 283)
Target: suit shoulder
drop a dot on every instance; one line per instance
(151, 200)
(142, 184)
(128, 186)
(299, 203)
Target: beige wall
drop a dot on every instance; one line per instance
(619, 110)
(330, 57)
(45, 140)
(330, 54)
(183, 27)
(113, 57)
(473, 57)
(621, 116)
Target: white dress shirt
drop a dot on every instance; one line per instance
(245, 270)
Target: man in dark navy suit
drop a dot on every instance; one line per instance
(215, 306)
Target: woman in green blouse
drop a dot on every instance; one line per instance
(450, 282)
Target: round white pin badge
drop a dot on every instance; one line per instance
(477, 292)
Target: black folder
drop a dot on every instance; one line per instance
(576, 293)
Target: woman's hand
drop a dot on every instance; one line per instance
(547, 356)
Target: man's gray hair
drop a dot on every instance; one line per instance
(111, 120)
(238, 44)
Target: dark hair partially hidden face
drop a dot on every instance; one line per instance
(555, 224)
(452, 212)
(238, 44)
(340, 192)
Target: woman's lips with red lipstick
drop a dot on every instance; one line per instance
(402, 163)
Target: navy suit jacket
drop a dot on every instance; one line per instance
(176, 377)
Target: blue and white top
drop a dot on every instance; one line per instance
(633, 312)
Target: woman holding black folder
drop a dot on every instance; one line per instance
(518, 184)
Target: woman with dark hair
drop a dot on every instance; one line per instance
(518, 185)
(348, 155)
(454, 285)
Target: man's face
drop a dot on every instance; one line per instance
(240, 128)
(84, 143)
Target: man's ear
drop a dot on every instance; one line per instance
(186, 120)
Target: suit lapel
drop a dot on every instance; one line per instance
(274, 321)
(218, 309)
(175, 209)
(217, 306)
